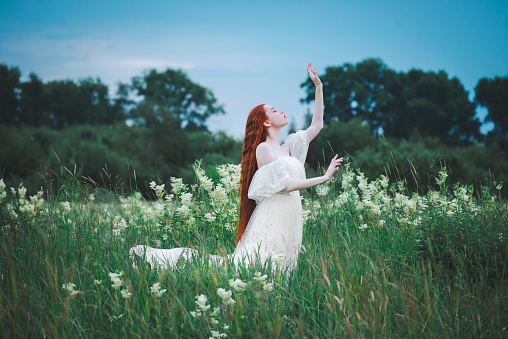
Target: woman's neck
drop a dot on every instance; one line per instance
(273, 136)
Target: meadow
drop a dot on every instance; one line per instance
(377, 261)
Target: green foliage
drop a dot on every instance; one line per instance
(9, 93)
(171, 95)
(398, 103)
(55, 104)
(493, 95)
(167, 98)
(122, 158)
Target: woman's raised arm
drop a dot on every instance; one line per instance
(317, 118)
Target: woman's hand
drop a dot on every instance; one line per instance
(334, 167)
(313, 75)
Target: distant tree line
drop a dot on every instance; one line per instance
(157, 98)
(155, 127)
(399, 104)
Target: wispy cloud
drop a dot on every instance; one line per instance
(145, 63)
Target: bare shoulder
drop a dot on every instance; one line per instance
(264, 154)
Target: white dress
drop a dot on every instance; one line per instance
(275, 228)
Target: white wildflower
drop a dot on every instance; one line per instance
(156, 289)
(225, 296)
(268, 287)
(259, 277)
(237, 285)
(115, 278)
(70, 288)
(322, 190)
(209, 217)
(230, 176)
(177, 185)
(186, 198)
(363, 226)
(125, 294)
(216, 334)
(306, 214)
(206, 182)
(277, 258)
(201, 302)
(216, 312)
(159, 189)
(384, 181)
(65, 206)
(219, 196)
(183, 210)
(343, 198)
(3, 192)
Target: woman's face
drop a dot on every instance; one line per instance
(275, 117)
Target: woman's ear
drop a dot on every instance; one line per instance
(267, 123)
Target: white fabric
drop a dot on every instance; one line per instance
(275, 227)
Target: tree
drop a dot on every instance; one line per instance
(95, 103)
(434, 105)
(9, 94)
(86, 102)
(493, 95)
(33, 103)
(398, 103)
(172, 94)
(356, 91)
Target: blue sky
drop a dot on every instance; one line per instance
(252, 52)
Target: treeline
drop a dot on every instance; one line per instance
(399, 104)
(404, 124)
(156, 98)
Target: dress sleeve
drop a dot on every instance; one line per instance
(298, 144)
(268, 180)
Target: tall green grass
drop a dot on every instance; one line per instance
(376, 261)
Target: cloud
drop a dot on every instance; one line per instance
(145, 63)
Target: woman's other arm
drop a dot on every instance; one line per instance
(298, 184)
(317, 118)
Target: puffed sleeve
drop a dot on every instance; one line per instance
(298, 144)
(268, 180)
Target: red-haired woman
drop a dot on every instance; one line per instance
(271, 223)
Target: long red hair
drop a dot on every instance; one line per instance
(255, 133)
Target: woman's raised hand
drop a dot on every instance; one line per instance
(313, 75)
(334, 167)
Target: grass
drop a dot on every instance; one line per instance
(377, 262)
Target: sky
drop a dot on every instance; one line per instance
(252, 52)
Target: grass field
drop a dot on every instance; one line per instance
(376, 262)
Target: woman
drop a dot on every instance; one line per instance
(271, 221)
